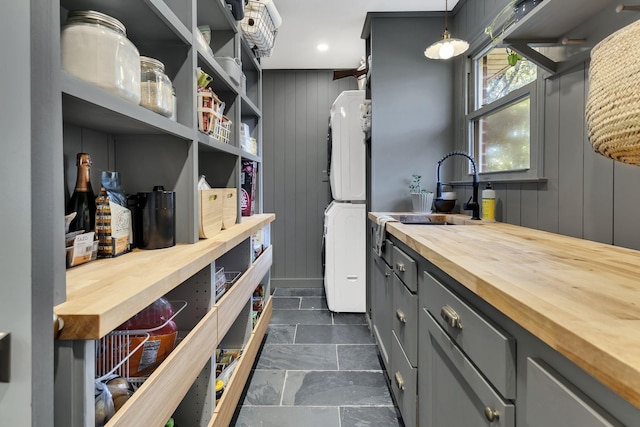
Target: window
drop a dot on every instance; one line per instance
(502, 115)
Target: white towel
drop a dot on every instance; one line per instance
(380, 233)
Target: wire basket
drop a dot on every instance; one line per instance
(222, 129)
(231, 277)
(115, 350)
(210, 110)
(258, 28)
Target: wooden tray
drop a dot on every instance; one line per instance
(211, 208)
(229, 207)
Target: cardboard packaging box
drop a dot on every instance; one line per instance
(248, 187)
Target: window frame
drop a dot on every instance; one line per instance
(534, 91)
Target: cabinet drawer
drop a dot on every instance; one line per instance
(405, 319)
(381, 306)
(488, 347)
(404, 379)
(406, 269)
(387, 251)
(456, 394)
(552, 400)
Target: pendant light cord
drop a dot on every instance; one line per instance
(446, 7)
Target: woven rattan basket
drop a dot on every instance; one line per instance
(613, 104)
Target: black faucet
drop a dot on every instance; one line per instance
(472, 203)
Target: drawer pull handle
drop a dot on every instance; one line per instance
(451, 317)
(401, 317)
(491, 414)
(400, 267)
(399, 381)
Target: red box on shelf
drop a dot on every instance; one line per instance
(248, 187)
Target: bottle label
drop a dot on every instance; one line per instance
(489, 209)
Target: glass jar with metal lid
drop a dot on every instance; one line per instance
(94, 47)
(156, 90)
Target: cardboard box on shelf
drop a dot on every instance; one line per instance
(248, 187)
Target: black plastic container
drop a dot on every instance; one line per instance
(155, 225)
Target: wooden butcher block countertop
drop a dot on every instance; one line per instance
(580, 297)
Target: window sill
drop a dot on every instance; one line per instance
(497, 181)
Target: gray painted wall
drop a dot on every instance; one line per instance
(412, 111)
(295, 107)
(585, 195)
(417, 118)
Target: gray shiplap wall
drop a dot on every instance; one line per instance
(585, 195)
(295, 107)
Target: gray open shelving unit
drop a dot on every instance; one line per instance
(149, 149)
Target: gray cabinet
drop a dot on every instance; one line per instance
(406, 269)
(149, 149)
(404, 382)
(552, 400)
(467, 370)
(405, 319)
(404, 341)
(491, 349)
(381, 296)
(452, 390)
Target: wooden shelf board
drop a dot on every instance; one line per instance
(159, 396)
(235, 298)
(103, 294)
(227, 405)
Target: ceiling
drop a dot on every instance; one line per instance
(336, 23)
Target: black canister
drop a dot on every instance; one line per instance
(156, 219)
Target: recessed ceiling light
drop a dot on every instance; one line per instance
(323, 47)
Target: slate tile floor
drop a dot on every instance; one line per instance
(316, 368)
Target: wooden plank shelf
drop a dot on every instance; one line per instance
(229, 401)
(103, 294)
(159, 396)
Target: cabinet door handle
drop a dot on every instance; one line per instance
(491, 414)
(400, 267)
(399, 381)
(387, 274)
(451, 317)
(401, 317)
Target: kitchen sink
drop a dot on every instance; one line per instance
(422, 219)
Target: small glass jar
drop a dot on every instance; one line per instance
(95, 48)
(156, 90)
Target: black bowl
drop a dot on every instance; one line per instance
(444, 206)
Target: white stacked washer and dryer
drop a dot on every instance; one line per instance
(345, 217)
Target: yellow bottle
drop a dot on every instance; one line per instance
(488, 204)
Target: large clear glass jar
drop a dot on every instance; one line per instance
(95, 48)
(156, 90)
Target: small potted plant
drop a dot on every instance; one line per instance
(421, 199)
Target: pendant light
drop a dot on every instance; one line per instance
(447, 47)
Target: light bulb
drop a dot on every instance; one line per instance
(446, 50)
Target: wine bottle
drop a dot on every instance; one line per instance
(82, 201)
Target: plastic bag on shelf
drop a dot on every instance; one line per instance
(104, 408)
